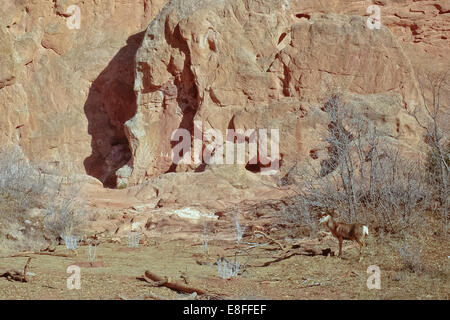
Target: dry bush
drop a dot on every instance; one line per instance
(65, 213)
(20, 185)
(21, 189)
(300, 212)
(399, 194)
(33, 203)
(439, 145)
(411, 254)
(365, 177)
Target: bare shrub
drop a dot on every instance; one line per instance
(239, 230)
(65, 212)
(228, 269)
(23, 187)
(434, 164)
(92, 253)
(207, 233)
(400, 193)
(364, 178)
(71, 242)
(411, 254)
(301, 213)
(133, 239)
(438, 155)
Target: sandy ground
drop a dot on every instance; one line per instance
(114, 273)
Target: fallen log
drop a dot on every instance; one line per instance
(303, 252)
(55, 254)
(14, 275)
(157, 281)
(42, 253)
(151, 296)
(18, 255)
(272, 240)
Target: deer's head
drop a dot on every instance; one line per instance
(326, 216)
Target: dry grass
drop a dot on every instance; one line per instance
(299, 277)
(34, 204)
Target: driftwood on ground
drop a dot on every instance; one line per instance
(147, 296)
(270, 238)
(18, 255)
(42, 253)
(302, 251)
(55, 254)
(14, 275)
(305, 247)
(158, 281)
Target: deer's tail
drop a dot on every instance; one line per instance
(365, 231)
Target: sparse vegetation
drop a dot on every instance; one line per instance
(227, 269)
(433, 164)
(92, 253)
(71, 242)
(411, 254)
(239, 230)
(24, 188)
(366, 177)
(439, 145)
(133, 240)
(205, 235)
(64, 213)
(21, 186)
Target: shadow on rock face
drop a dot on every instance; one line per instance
(111, 102)
(187, 91)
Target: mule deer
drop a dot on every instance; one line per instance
(346, 231)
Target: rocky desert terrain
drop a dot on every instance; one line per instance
(187, 149)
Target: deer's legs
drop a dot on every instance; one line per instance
(361, 247)
(340, 247)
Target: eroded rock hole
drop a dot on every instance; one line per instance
(187, 92)
(303, 16)
(110, 103)
(283, 35)
(313, 154)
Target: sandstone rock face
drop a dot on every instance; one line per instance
(65, 93)
(262, 64)
(78, 100)
(420, 26)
